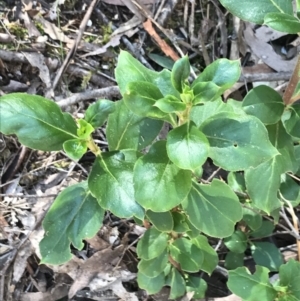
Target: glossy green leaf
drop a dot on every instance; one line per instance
(159, 184)
(252, 218)
(213, 208)
(170, 104)
(264, 103)
(162, 221)
(180, 222)
(111, 182)
(290, 190)
(187, 254)
(75, 148)
(125, 130)
(211, 258)
(267, 254)
(255, 10)
(222, 72)
(97, 113)
(237, 242)
(251, 287)
(74, 216)
(237, 142)
(205, 91)
(197, 285)
(291, 120)
(151, 285)
(289, 274)
(236, 182)
(180, 73)
(282, 22)
(177, 284)
(85, 129)
(38, 122)
(265, 230)
(155, 266)
(152, 244)
(187, 147)
(162, 61)
(234, 260)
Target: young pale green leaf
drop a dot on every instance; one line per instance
(197, 285)
(255, 10)
(177, 284)
(237, 242)
(74, 216)
(152, 244)
(180, 73)
(111, 182)
(263, 183)
(205, 91)
(213, 209)
(97, 113)
(289, 277)
(264, 103)
(234, 260)
(290, 190)
(187, 147)
(237, 142)
(162, 221)
(236, 182)
(211, 258)
(155, 266)
(75, 148)
(252, 218)
(170, 104)
(282, 22)
(291, 120)
(187, 254)
(151, 285)
(85, 129)
(159, 184)
(224, 73)
(267, 255)
(265, 230)
(38, 122)
(125, 130)
(251, 287)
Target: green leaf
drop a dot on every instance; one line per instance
(155, 266)
(213, 209)
(151, 285)
(187, 147)
(234, 260)
(180, 73)
(85, 129)
(187, 254)
(38, 122)
(162, 61)
(75, 148)
(126, 130)
(159, 184)
(237, 142)
(252, 218)
(111, 182)
(290, 190)
(282, 22)
(264, 103)
(211, 258)
(237, 242)
(255, 10)
(291, 120)
(251, 287)
(74, 216)
(162, 221)
(289, 274)
(180, 222)
(196, 285)
(97, 113)
(177, 284)
(152, 244)
(170, 104)
(267, 255)
(265, 230)
(236, 182)
(205, 91)
(224, 73)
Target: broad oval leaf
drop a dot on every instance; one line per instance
(255, 10)
(234, 260)
(282, 22)
(187, 147)
(205, 91)
(159, 184)
(170, 104)
(197, 285)
(237, 242)
(177, 284)
(291, 120)
(180, 73)
(125, 130)
(237, 142)
(151, 285)
(75, 148)
(38, 122)
(162, 221)
(264, 103)
(111, 182)
(213, 209)
(74, 216)
(287, 277)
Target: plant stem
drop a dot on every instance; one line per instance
(94, 147)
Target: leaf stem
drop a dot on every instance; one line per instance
(93, 147)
